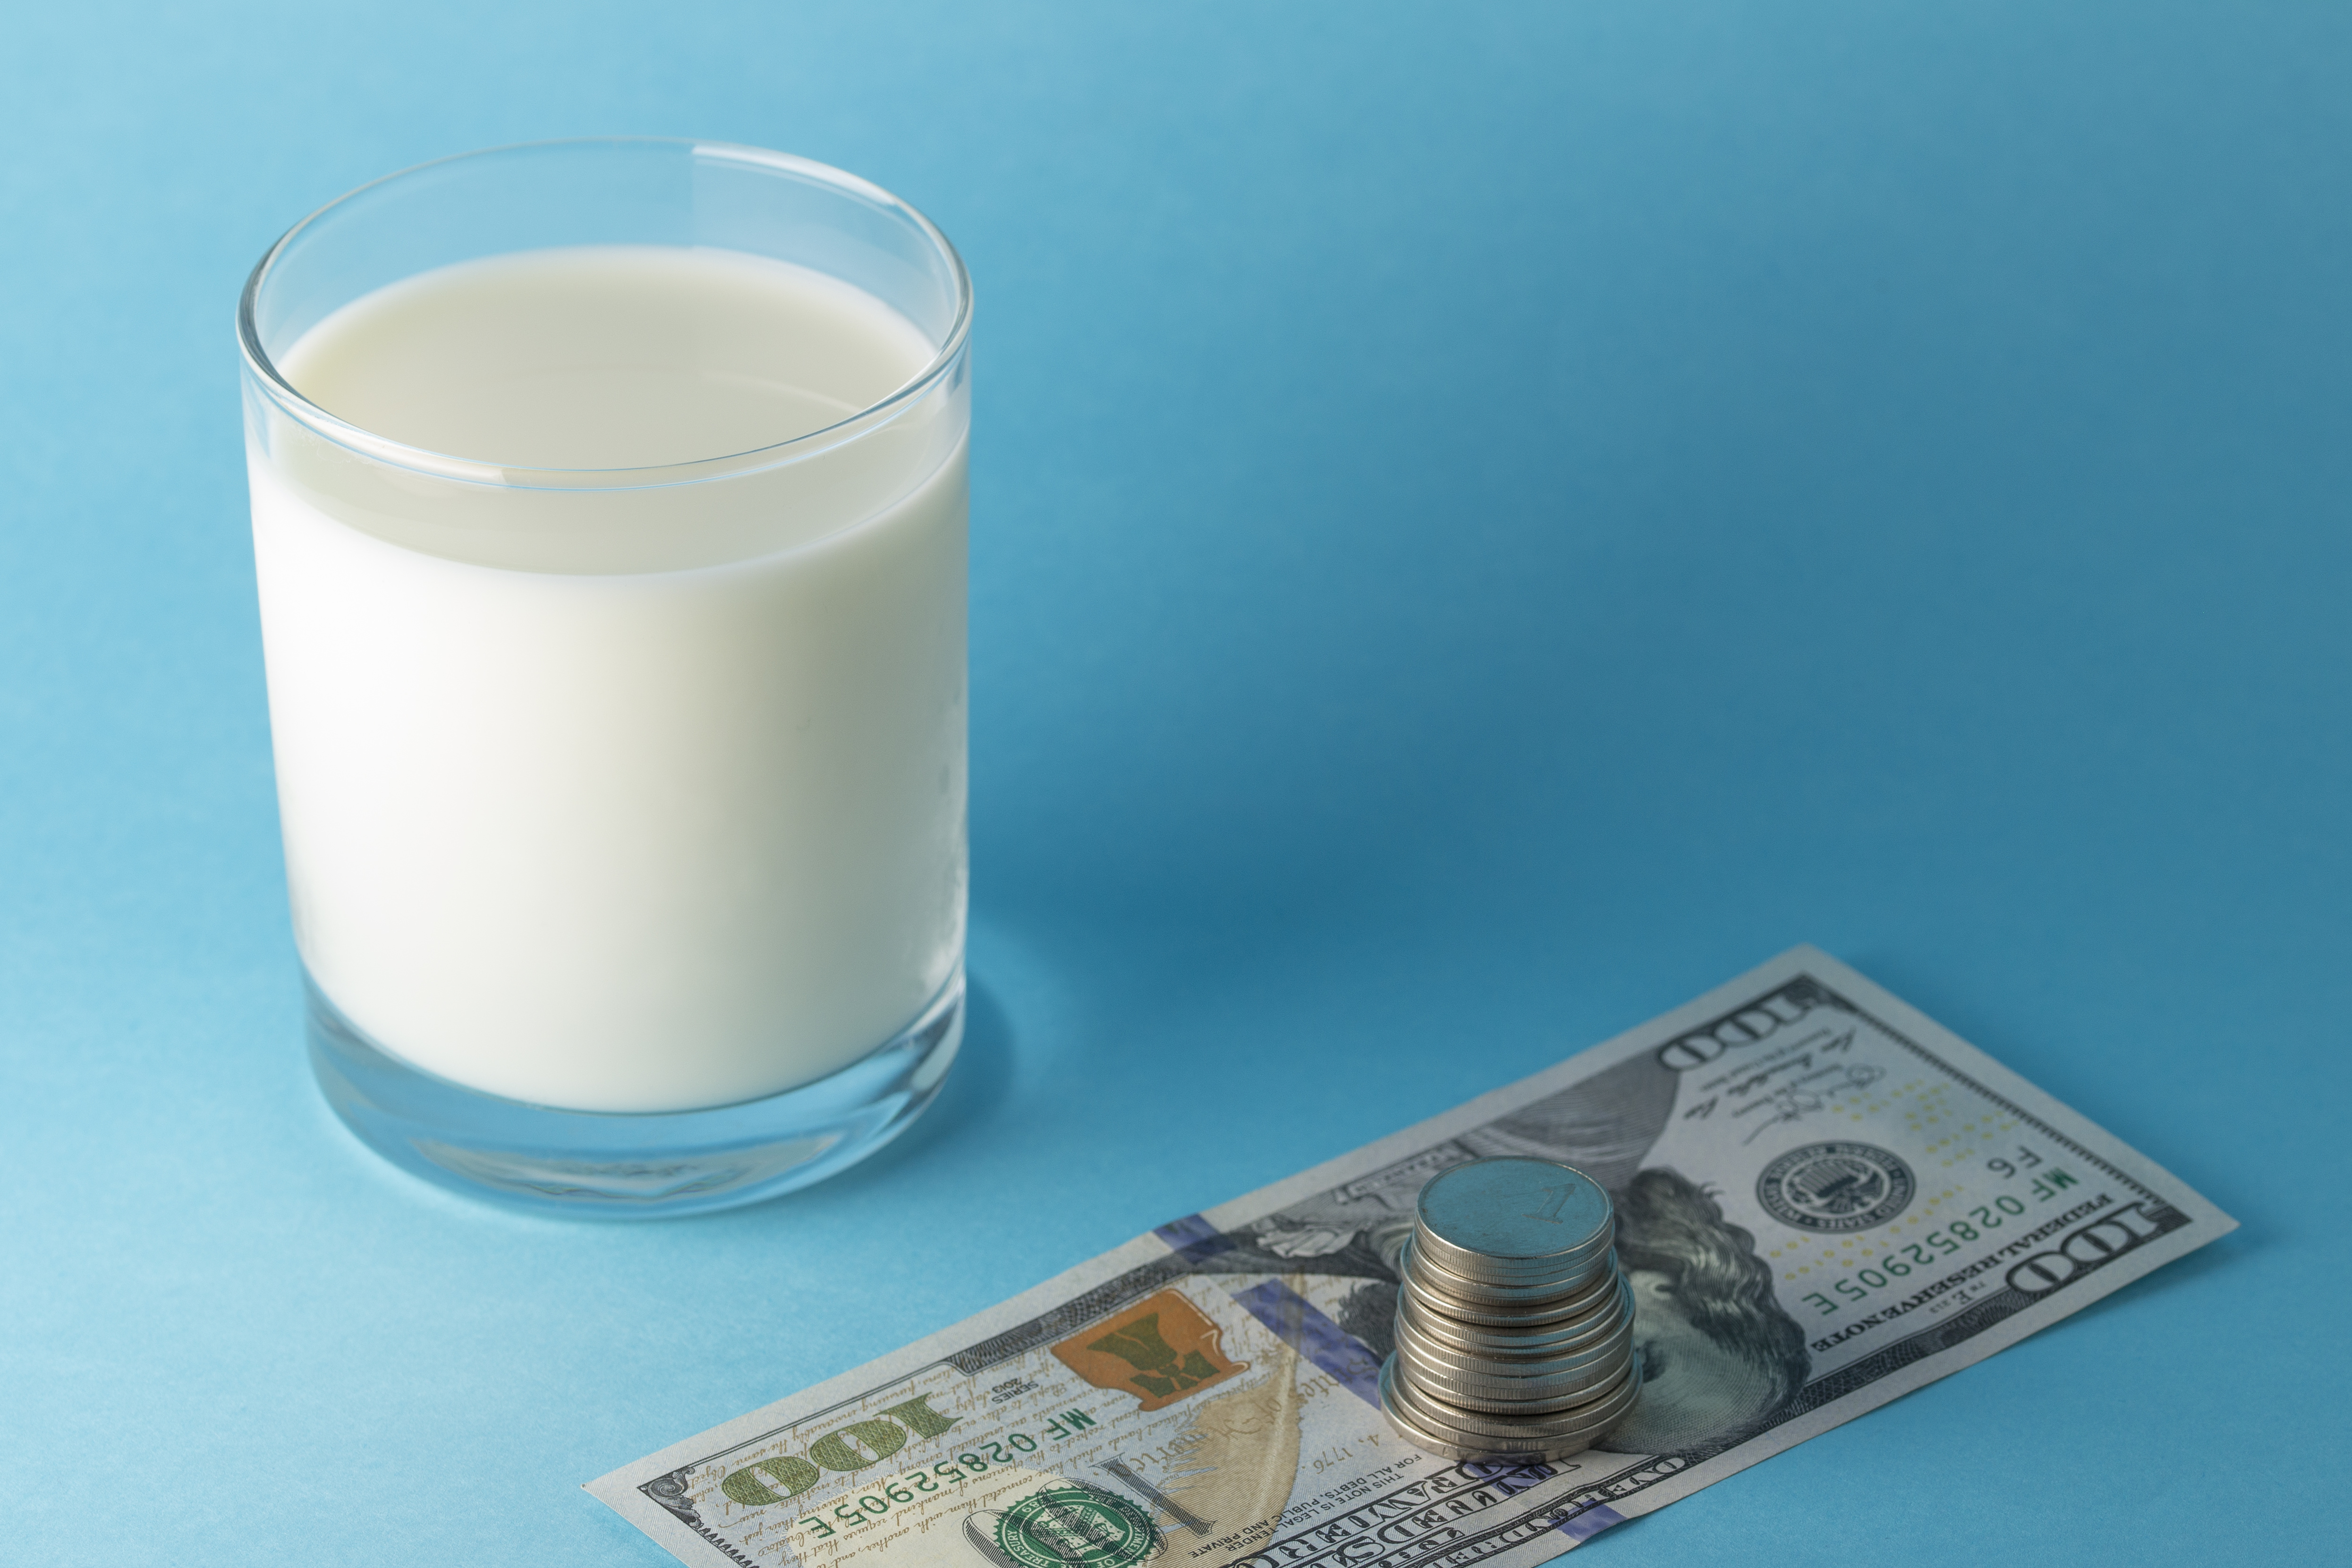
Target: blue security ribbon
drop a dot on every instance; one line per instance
(1301, 1325)
(1193, 1239)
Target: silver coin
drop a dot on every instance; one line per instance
(1471, 1340)
(1508, 1409)
(1554, 1364)
(1513, 1219)
(1440, 1295)
(1583, 1426)
(1604, 1379)
(1549, 1273)
(1428, 1439)
(1416, 1259)
(1493, 1442)
(1456, 1294)
(1504, 1298)
(1565, 1383)
(1514, 1323)
(1440, 1374)
(1472, 1415)
(1609, 1314)
(1558, 1391)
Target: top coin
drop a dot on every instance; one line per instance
(1520, 1215)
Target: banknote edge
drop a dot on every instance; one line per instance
(619, 1489)
(1926, 1033)
(1885, 1390)
(619, 1485)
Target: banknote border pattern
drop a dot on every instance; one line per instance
(1936, 1338)
(1639, 1474)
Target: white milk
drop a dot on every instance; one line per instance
(643, 798)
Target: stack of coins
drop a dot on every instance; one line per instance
(1515, 1327)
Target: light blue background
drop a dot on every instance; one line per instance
(1489, 520)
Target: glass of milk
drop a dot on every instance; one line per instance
(608, 512)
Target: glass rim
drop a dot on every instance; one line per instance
(367, 442)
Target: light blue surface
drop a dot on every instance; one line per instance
(1489, 520)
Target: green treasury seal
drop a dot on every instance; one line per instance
(1076, 1527)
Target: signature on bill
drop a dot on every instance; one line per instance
(1814, 1092)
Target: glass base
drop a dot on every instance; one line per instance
(648, 1165)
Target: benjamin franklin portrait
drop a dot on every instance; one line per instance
(1720, 1359)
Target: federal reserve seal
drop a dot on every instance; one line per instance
(1835, 1187)
(1076, 1527)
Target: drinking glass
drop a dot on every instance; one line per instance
(622, 801)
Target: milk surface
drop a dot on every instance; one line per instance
(601, 838)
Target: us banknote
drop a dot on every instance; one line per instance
(1824, 1201)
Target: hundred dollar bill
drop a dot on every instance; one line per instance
(1824, 1201)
